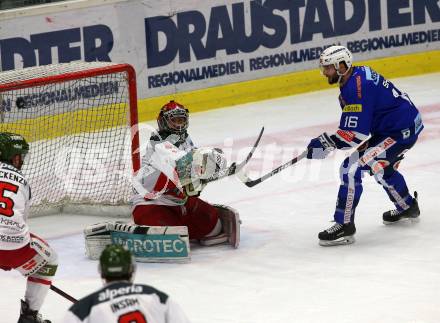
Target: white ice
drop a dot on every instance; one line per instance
(280, 273)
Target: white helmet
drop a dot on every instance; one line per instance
(334, 55)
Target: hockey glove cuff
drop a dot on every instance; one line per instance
(320, 147)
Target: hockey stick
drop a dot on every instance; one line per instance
(235, 168)
(62, 293)
(252, 182)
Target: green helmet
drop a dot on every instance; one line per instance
(12, 144)
(116, 262)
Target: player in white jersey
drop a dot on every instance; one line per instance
(122, 301)
(20, 249)
(168, 187)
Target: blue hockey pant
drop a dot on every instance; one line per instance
(379, 156)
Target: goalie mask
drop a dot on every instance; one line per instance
(12, 144)
(116, 263)
(173, 118)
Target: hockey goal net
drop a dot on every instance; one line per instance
(80, 120)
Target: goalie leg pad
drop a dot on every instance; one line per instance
(147, 243)
(156, 244)
(97, 237)
(95, 245)
(231, 223)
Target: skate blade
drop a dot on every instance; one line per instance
(403, 220)
(338, 242)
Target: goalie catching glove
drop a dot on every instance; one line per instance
(198, 167)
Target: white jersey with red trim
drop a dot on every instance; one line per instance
(14, 208)
(156, 182)
(126, 302)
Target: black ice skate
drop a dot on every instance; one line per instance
(338, 234)
(29, 316)
(410, 214)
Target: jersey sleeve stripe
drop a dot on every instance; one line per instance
(345, 139)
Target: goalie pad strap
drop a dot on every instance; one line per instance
(212, 241)
(107, 227)
(98, 228)
(104, 228)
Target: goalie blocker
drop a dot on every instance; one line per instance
(147, 243)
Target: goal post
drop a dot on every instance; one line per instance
(80, 120)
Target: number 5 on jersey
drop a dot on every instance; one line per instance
(351, 122)
(6, 203)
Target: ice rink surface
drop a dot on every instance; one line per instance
(280, 273)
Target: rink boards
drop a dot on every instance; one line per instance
(212, 54)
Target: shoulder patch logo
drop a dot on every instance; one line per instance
(352, 108)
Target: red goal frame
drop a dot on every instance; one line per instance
(94, 71)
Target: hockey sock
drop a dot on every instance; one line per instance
(36, 291)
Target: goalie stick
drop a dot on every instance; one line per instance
(236, 168)
(64, 294)
(252, 182)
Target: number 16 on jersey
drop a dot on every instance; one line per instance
(351, 122)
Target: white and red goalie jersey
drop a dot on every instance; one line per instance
(14, 208)
(157, 181)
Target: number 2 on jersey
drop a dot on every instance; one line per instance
(132, 317)
(6, 203)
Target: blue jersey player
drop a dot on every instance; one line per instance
(383, 124)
